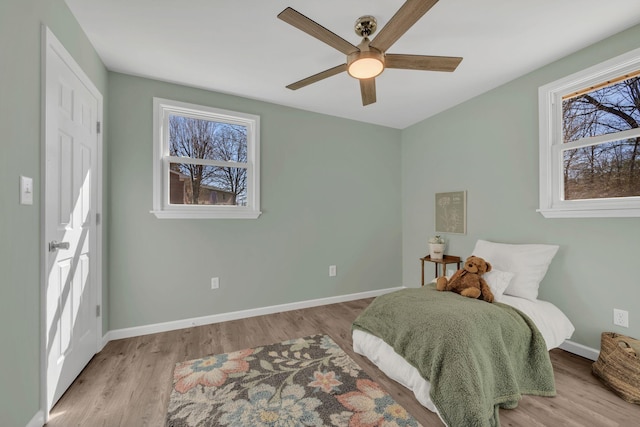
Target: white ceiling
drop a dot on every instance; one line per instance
(240, 47)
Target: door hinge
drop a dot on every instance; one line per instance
(98, 127)
(97, 311)
(98, 218)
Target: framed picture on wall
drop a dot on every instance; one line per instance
(451, 212)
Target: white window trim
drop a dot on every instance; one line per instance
(161, 206)
(551, 146)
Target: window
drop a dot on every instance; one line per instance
(590, 142)
(206, 162)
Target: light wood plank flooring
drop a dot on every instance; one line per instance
(128, 383)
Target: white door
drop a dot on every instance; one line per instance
(70, 207)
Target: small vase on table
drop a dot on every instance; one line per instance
(436, 247)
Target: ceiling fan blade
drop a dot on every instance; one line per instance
(316, 30)
(408, 14)
(368, 90)
(317, 77)
(422, 62)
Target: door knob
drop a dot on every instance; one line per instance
(54, 246)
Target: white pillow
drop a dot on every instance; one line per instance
(498, 281)
(529, 263)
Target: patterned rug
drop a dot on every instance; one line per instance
(307, 381)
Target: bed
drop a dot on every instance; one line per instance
(542, 324)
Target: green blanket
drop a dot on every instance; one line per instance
(478, 356)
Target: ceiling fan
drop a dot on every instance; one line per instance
(369, 58)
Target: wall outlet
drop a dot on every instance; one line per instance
(621, 318)
(215, 282)
(332, 271)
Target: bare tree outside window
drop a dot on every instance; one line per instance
(225, 182)
(603, 169)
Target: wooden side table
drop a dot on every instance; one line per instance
(446, 259)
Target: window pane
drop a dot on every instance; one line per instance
(602, 171)
(207, 185)
(608, 109)
(206, 139)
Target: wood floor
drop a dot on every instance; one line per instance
(128, 383)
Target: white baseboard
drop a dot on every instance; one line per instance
(568, 345)
(235, 315)
(580, 350)
(37, 420)
(105, 340)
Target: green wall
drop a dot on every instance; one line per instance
(489, 147)
(20, 50)
(330, 194)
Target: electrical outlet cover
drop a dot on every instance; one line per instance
(621, 318)
(332, 271)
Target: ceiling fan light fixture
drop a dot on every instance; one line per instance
(365, 64)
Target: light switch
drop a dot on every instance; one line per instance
(26, 190)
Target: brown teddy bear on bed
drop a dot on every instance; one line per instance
(468, 281)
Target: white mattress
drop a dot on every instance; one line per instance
(554, 326)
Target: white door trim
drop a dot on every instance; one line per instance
(50, 42)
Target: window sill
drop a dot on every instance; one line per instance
(590, 213)
(208, 214)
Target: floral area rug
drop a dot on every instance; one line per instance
(307, 381)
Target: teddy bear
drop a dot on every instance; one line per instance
(468, 281)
